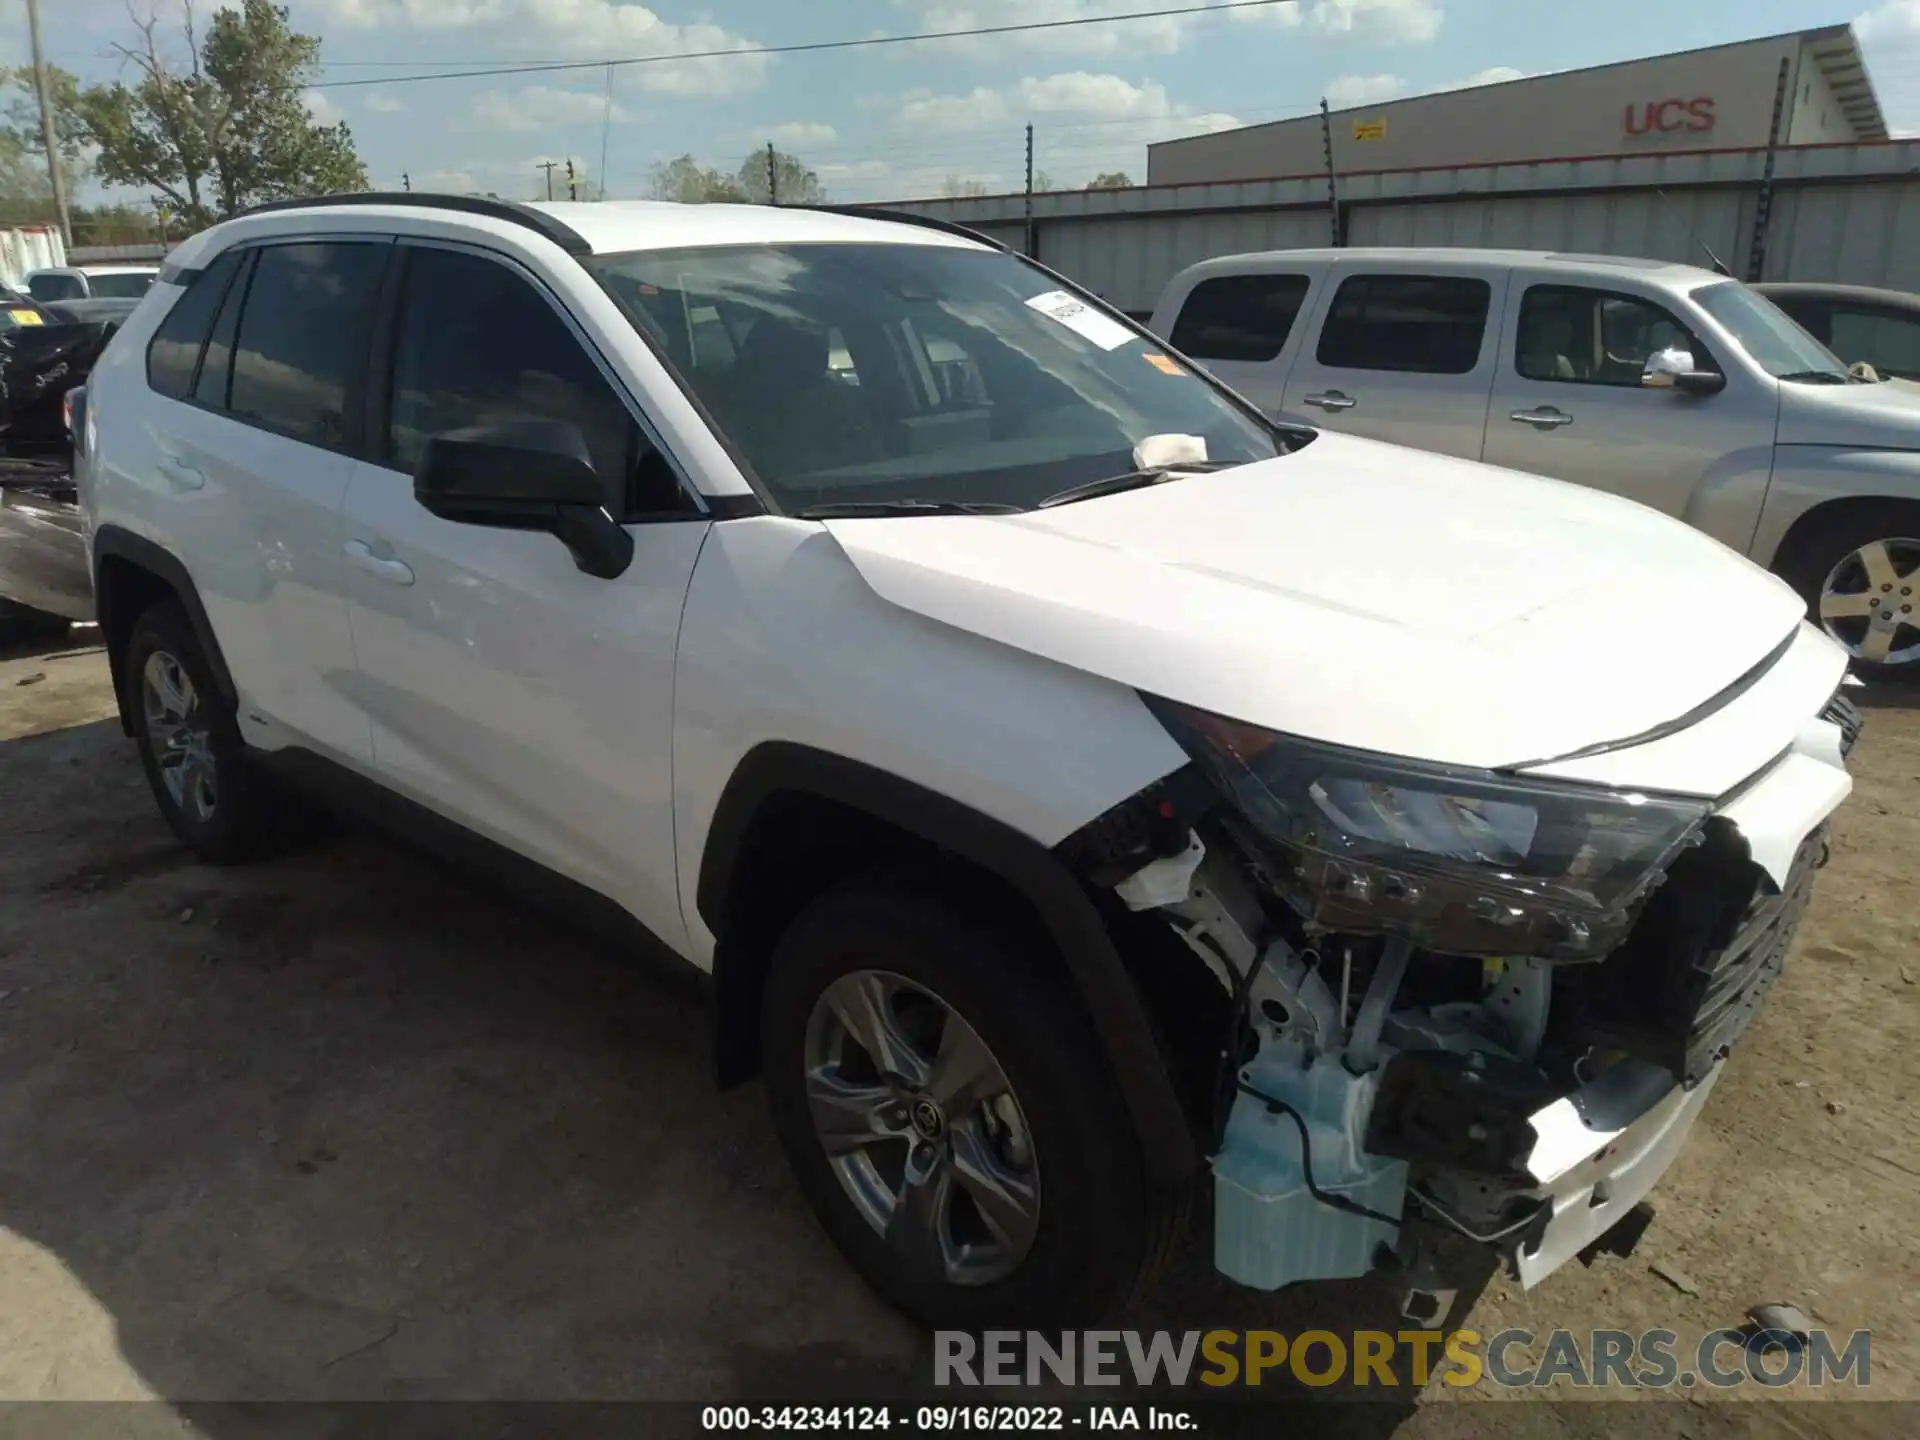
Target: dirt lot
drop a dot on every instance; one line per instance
(344, 1127)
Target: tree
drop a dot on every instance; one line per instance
(1111, 180)
(956, 187)
(1042, 181)
(229, 128)
(797, 184)
(23, 161)
(684, 180)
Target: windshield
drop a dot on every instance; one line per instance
(1771, 337)
(872, 373)
(123, 286)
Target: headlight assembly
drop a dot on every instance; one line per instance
(1466, 862)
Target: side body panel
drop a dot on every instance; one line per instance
(784, 642)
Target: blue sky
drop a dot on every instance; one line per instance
(897, 121)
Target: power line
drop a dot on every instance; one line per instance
(809, 47)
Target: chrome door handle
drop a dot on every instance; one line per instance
(394, 572)
(1546, 417)
(1332, 400)
(179, 474)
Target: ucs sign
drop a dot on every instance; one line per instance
(1668, 116)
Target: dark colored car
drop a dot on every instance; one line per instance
(1878, 327)
(45, 355)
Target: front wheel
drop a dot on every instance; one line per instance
(1859, 573)
(949, 1115)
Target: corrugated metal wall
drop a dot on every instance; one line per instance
(27, 248)
(1847, 213)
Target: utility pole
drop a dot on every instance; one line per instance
(773, 177)
(606, 128)
(549, 166)
(1029, 216)
(573, 186)
(47, 131)
(1763, 203)
(1333, 193)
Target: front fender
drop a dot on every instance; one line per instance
(1806, 477)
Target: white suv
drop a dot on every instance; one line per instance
(1072, 782)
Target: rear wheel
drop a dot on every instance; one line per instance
(209, 792)
(949, 1114)
(1859, 572)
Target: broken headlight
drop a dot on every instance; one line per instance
(1466, 862)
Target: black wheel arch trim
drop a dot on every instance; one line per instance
(1099, 975)
(116, 542)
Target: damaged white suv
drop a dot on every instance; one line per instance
(1072, 782)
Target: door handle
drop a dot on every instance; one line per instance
(395, 572)
(179, 474)
(1546, 417)
(1332, 400)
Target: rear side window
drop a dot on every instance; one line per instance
(56, 287)
(1421, 324)
(1888, 341)
(120, 287)
(216, 365)
(174, 353)
(1239, 317)
(303, 337)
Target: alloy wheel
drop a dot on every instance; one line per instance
(179, 735)
(1868, 600)
(922, 1128)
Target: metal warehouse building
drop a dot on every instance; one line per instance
(1717, 99)
(1771, 155)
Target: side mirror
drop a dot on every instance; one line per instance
(526, 475)
(1672, 369)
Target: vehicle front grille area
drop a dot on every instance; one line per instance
(1692, 974)
(1849, 717)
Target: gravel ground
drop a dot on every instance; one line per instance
(343, 1127)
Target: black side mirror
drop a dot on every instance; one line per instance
(526, 475)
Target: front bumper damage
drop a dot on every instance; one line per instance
(1530, 1106)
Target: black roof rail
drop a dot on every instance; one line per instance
(903, 217)
(512, 211)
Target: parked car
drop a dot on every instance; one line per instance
(91, 282)
(83, 312)
(1011, 746)
(44, 357)
(1859, 324)
(1672, 386)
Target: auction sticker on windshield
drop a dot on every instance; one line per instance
(1083, 319)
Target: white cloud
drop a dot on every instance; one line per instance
(797, 133)
(1162, 35)
(1084, 123)
(384, 104)
(320, 108)
(1374, 22)
(1890, 40)
(539, 107)
(586, 28)
(1346, 90)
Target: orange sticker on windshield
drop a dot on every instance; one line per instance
(1164, 365)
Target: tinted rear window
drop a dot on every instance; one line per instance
(1424, 324)
(174, 353)
(303, 337)
(1239, 317)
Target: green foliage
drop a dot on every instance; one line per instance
(685, 180)
(230, 129)
(798, 184)
(1111, 180)
(23, 159)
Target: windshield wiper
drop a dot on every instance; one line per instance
(1132, 480)
(1818, 377)
(861, 509)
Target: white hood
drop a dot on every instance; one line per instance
(1369, 595)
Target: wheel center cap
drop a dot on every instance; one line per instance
(928, 1120)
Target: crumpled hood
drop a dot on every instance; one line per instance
(1854, 417)
(1359, 593)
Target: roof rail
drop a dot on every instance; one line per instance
(512, 211)
(903, 217)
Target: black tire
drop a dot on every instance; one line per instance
(249, 818)
(1827, 540)
(1101, 1229)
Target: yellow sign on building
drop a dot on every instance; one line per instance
(1370, 129)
